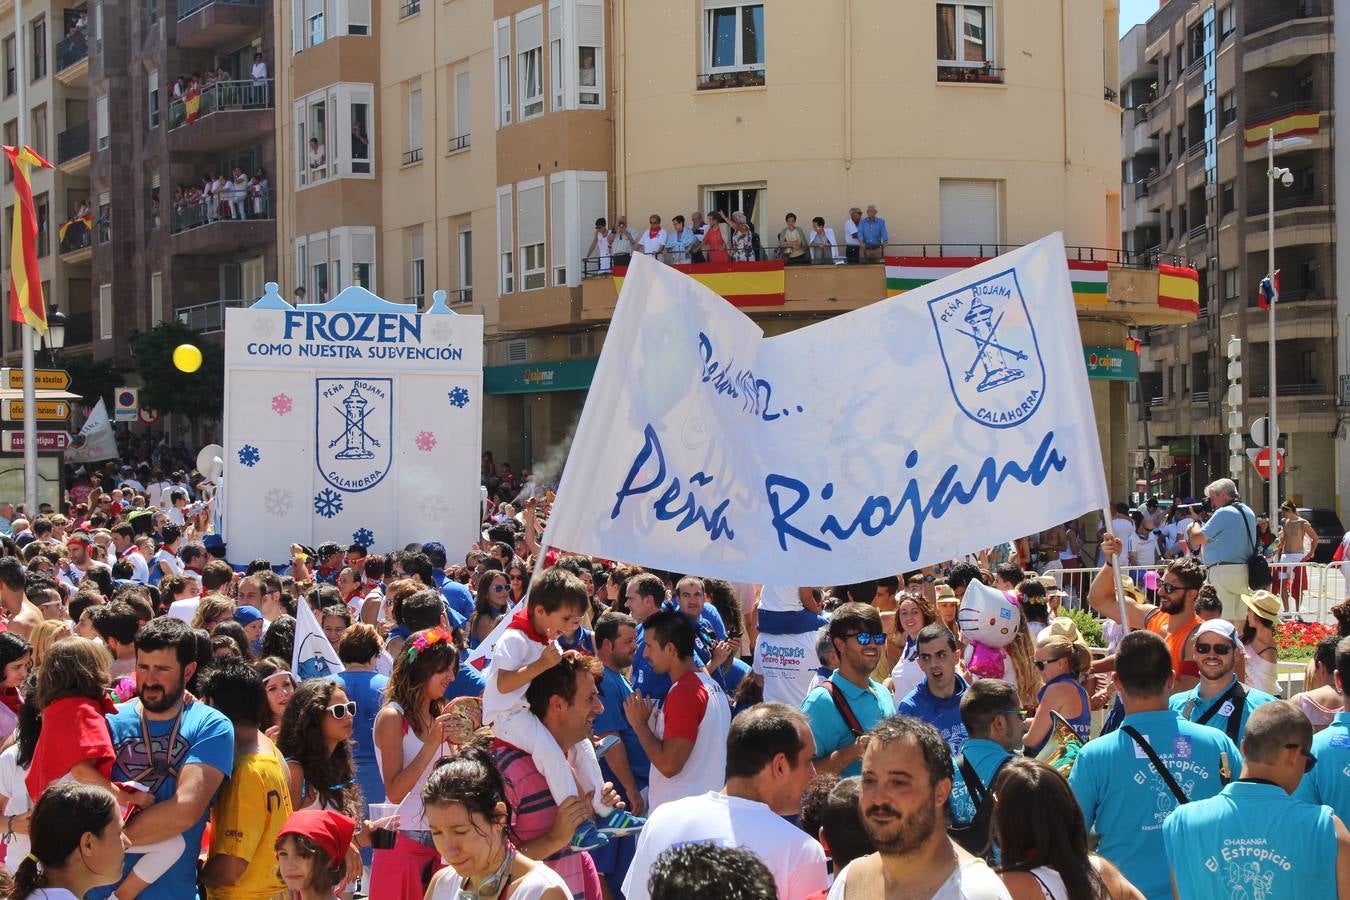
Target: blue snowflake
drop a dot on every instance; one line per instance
(364, 536)
(327, 503)
(459, 397)
(249, 455)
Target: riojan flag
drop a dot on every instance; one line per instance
(26, 303)
(312, 656)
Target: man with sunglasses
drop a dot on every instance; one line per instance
(1254, 834)
(849, 702)
(1219, 700)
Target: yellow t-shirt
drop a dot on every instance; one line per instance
(250, 809)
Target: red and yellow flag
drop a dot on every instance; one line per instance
(26, 303)
(192, 104)
(741, 284)
(1179, 288)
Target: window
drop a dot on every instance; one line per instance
(590, 56)
(729, 200)
(360, 114)
(317, 148)
(1227, 21)
(969, 211)
(314, 24)
(156, 298)
(251, 276)
(105, 312)
(466, 264)
(501, 43)
(557, 57)
(1227, 109)
(576, 54)
(358, 17)
(413, 153)
(12, 139)
(1230, 284)
(462, 109)
(103, 226)
(39, 48)
(1227, 197)
(44, 224)
(332, 133)
(318, 269)
(101, 121)
(733, 36)
(965, 34)
(96, 16)
(231, 282)
(505, 241)
(39, 130)
(529, 62)
(11, 73)
(152, 88)
(151, 13)
(416, 287)
(557, 227)
(530, 232)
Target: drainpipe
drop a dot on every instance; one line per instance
(1064, 73)
(620, 113)
(848, 85)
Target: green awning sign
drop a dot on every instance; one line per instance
(539, 378)
(1111, 363)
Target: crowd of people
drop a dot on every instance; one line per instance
(723, 237)
(525, 722)
(219, 198)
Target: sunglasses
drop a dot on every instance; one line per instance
(867, 637)
(500, 589)
(1308, 759)
(1042, 663)
(343, 710)
(1020, 713)
(1166, 588)
(1216, 649)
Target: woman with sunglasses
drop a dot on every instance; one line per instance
(518, 574)
(1061, 663)
(315, 738)
(493, 599)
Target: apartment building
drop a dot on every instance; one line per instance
(1203, 85)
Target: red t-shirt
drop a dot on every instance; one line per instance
(684, 707)
(73, 729)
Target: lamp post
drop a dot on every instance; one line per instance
(54, 341)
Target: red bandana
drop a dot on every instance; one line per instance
(521, 622)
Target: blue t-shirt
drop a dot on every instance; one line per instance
(366, 690)
(943, 713)
(1220, 719)
(469, 682)
(614, 689)
(646, 680)
(1329, 781)
(1252, 840)
(730, 676)
(458, 598)
(205, 737)
(584, 641)
(1125, 800)
(984, 757)
(869, 705)
(1227, 538)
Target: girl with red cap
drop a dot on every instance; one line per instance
(312, 851)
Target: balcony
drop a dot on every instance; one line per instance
(224, 225)
(1109, 94)
(716, 81)
(412, 156)
(72, 60)
(218, 24)
(1288, 34)
(1302, 9)
(208, 318)
(72, 149)
(410, 8)
(226, 114)
(457, 144)
(77, 244)
(974, 74)
(1286, 201)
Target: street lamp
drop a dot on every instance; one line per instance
(55, 338)
(1286, 178)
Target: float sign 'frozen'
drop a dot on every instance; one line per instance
(357, 421)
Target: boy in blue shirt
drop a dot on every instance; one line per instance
(1254, 839)
(992, 714)
(1124, 794)
(937, 699)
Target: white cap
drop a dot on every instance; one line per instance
(1222, 627)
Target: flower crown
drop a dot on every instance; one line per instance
(428, 638)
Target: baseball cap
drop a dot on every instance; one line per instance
(213, 542)
(1222, 627)
(247, 615)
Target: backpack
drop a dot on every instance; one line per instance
(974, 836)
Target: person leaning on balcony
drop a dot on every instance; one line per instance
(597, 254)
(653, 240)
(792, 241)
(316, 156)
(824, 247)
(716, 239)
(259, 70)
(742, 239)
(872, 235)
(851, 245)
(679, 240)
(698, 229)
(621, 245)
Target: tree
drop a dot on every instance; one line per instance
(93, 378)
(198, 395)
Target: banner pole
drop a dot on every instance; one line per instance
(30, 475)
(1115, 574)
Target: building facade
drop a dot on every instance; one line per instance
(1204, 82)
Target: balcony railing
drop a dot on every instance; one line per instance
(713, 81)
(1195, 150)
(458, 143)
(231, 206)
(73, 142)
(1108, 93)
(1196, 65)
(77, 237)
(1286, 201)
(71, 49)
(206, 318)
(187, 7)
(1289, 390)
(983, 74)
(1298, 10)
(1197, 231)
(463, 295)
(412, 156)
(1141, 113)
(1271, 113)
(412, 7)
(222, 96)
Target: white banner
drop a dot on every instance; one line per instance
(905, 433)
(312, 656)
(95, 440)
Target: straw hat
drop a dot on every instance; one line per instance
(945, 594)
(1264, 604)
(1062, 627)
(1127, 584)
(1051, 585)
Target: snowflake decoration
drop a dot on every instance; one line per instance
(433, 508)
(426, 441)
(249, 455)
(327, 503)
(364, 536)
(262, 327)
(278, 502)
(282, 404)
(459, 397)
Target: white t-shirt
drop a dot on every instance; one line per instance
(1122, 528)
(1143, 548)
(531, 887)
(796, 860)
(705, 770)
(972, 880)
(259, 71)
(184, 609)
(168, 556)
(651, 245)
(140, 569)
(13, 787)
(787, 662)
(513, 651)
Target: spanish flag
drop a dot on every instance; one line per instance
(1179, 288)
(741, 283)
(1290, 124)
(192, 104)
(25, 283)
(86, 220)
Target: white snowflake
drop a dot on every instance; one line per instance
(327, 503)
(438, 331)
(433, 507)
(262, 326)
(278, 502)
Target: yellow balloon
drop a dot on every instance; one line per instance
(187, 358)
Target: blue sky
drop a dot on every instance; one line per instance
(1132, 12)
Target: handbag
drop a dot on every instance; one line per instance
(1258, 567)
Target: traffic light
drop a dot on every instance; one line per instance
(1233, 399)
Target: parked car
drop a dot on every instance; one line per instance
(1329, 531)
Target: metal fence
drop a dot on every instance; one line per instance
(222, 96)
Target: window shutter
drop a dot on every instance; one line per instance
(969, 212)
(462, 88)
(415, 119)
(590, 24)
(530, 200)
(501, 46)
(252, 272)
(557, 226)
(505, 235)
(156, 298)
(105, 312)
(529, 30)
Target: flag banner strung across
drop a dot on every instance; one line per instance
(741, 284)
(1289, 124)
(26, 303)
(905, 273)
(882, 440)
(1179, 288)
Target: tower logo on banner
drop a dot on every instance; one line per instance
(988, 344)
(354, 430)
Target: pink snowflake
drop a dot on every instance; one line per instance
(282, 404)
(426, 441)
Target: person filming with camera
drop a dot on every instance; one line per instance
(1227, 544)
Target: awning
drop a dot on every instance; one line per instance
(541, 377)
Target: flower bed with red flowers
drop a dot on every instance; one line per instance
(1299, 640)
